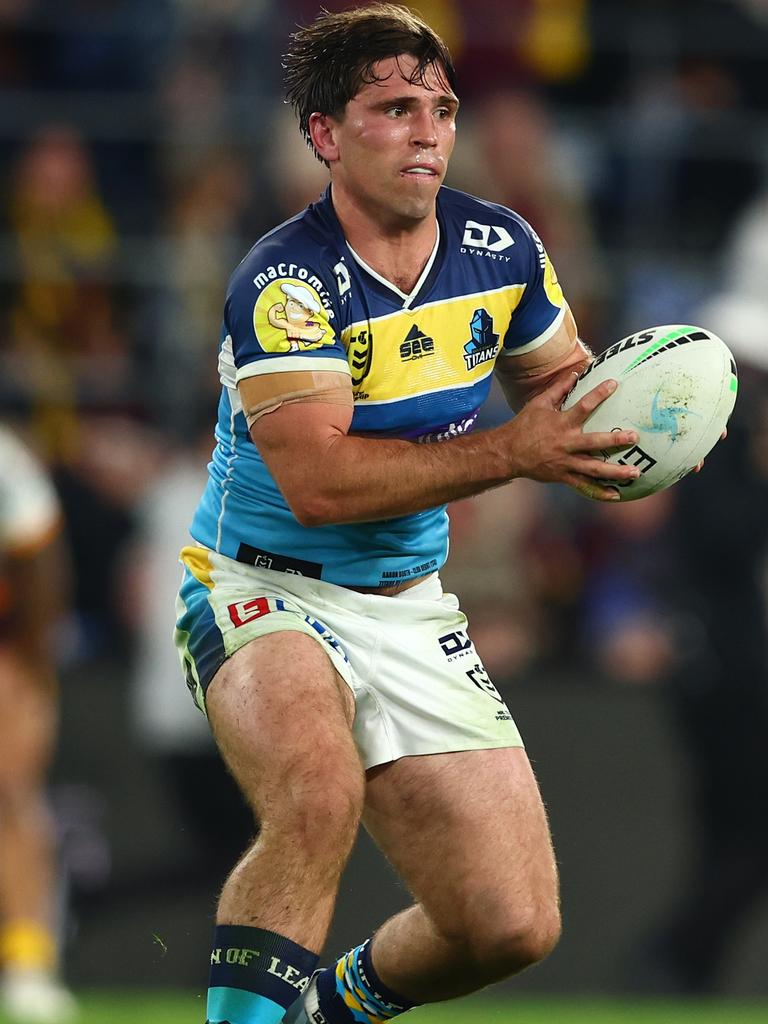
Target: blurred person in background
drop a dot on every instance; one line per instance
(715, 588)
(62, 345)
(32, 587)
(169, 729)
(673, 591)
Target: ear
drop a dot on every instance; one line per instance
(322, 131)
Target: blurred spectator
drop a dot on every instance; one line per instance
(675, 592)
(63, 346)
(204, 221)
(169, 728)
(718, 684)
(512, 153)
(31, 600)
(100, 486)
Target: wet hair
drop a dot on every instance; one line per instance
(331, 60)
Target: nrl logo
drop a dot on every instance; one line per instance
(360, 356)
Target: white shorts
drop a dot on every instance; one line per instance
(418, 683)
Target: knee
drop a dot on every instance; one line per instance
(318, 813)
(505, 943)
(520, 940)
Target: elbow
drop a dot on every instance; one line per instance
(313, 510)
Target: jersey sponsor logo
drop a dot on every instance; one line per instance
(539, 248)
(304, 276)
(456, 645)
(289, 316)
(482, 681)
(416, 345)
(326, 635)
(450, 430)
(551, 284)
(242, 612)
(343, 280)
(484, 343)
(261, 559)
(360, 356)
(485, 239)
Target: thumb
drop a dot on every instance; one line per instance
(560, 387)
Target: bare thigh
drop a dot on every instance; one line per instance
(468, 834)
(281, 714)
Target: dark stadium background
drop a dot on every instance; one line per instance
(143, 147)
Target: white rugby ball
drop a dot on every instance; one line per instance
(677, 387)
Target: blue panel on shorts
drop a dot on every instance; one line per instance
(205, 643)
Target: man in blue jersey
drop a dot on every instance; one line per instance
(341, 683)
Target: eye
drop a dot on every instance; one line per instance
(395, 112)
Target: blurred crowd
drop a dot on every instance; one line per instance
(146, 146)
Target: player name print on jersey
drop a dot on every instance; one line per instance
(289, 316)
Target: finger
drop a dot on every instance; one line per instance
(605, 470)
(591, 400)
(724, 434)
(592, 489)
(612, 441)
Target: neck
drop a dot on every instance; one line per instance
(397, 250)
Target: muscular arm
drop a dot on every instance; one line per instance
(526, 375)
(329, 476)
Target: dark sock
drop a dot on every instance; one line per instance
(255, 975)
(352, 992)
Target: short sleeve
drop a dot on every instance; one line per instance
(542, 308)
(282, 323)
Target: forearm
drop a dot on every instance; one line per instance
(328, 476)
(364, 479)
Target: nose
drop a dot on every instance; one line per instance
(423, 130)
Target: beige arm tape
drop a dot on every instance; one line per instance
(266, 392)
(568, 351)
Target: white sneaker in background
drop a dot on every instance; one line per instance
(35, 997)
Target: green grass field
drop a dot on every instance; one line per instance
(156, 1008)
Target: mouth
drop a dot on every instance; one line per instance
(420, 171)
(424, 174)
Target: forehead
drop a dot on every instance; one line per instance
(393, 76)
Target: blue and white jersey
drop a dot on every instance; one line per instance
(420, 367)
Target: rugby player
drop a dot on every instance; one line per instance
(30, 597)
(359, 341)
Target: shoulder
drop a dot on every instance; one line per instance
(483, 223)
(306, 248)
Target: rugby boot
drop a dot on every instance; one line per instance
(306, 1009)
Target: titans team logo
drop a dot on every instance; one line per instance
(484, 343)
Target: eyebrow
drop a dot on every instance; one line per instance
(441, 100)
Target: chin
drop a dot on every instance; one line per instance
(416, 209)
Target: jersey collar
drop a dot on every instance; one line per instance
(382, 285)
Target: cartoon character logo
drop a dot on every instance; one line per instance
(297, 316)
